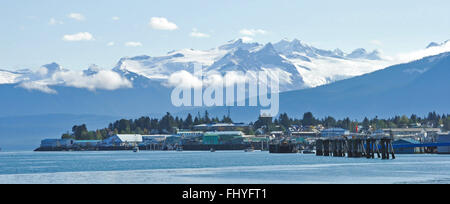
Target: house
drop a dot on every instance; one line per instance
(123, 140)
(406, 150)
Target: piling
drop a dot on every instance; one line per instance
(356, 148)
(319, 148)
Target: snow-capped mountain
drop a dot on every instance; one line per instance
(298, 65)
(8, 77)
(416, 87)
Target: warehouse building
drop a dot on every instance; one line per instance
(154, 139)
(87, 143)
(444, 138)
(334, 132)
(123, 140)
(57, 143)
(190, 134)
(223, 137)
(222, 127)
(407, 150)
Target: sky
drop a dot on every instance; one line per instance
(79, 33)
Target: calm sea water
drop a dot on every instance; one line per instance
(218, 167)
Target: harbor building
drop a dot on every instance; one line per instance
(86, 143)
(407, 150)
(412, 132)
(154, 139)
(304, 134)
(57, 143)
(223, 137)
(222, 127)
(444, 138)
(190, 134)
(119, 140)
(334, 132)
(277, 134)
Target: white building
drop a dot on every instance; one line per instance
(123, 140)
(154, 139)
(190, 134)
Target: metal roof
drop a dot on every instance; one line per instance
(129, 138)
(86, 141)
(224, 133)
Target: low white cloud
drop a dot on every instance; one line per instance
(97, 79)
(160, 23)
(184, 79)
(196, 34)
(115, 18)
(103, 80)
(38, 86)
(54, 21)
(133, 44)
(110, 44)
(252, 32)
(77, 16)
(83, 36)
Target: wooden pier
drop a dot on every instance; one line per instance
(369, 148)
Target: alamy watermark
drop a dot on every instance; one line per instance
(235, 88)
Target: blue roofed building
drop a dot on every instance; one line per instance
(406, 150)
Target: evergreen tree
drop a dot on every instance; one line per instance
(329, 122)
(188, 123)
(366, 124)
(308, 119)
(285, 121)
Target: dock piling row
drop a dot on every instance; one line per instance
(356, 148)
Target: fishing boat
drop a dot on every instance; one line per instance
(251, 149)
(309, 151)
(283, 148)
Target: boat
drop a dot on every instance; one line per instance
(179, 149)
(251, 149)
(309, 151)
(136, 149)
(212, 150)
(283, 148)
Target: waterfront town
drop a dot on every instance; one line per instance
(266, 134)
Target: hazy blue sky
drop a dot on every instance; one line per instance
(38, 32)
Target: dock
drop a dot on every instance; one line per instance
(369, 148)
